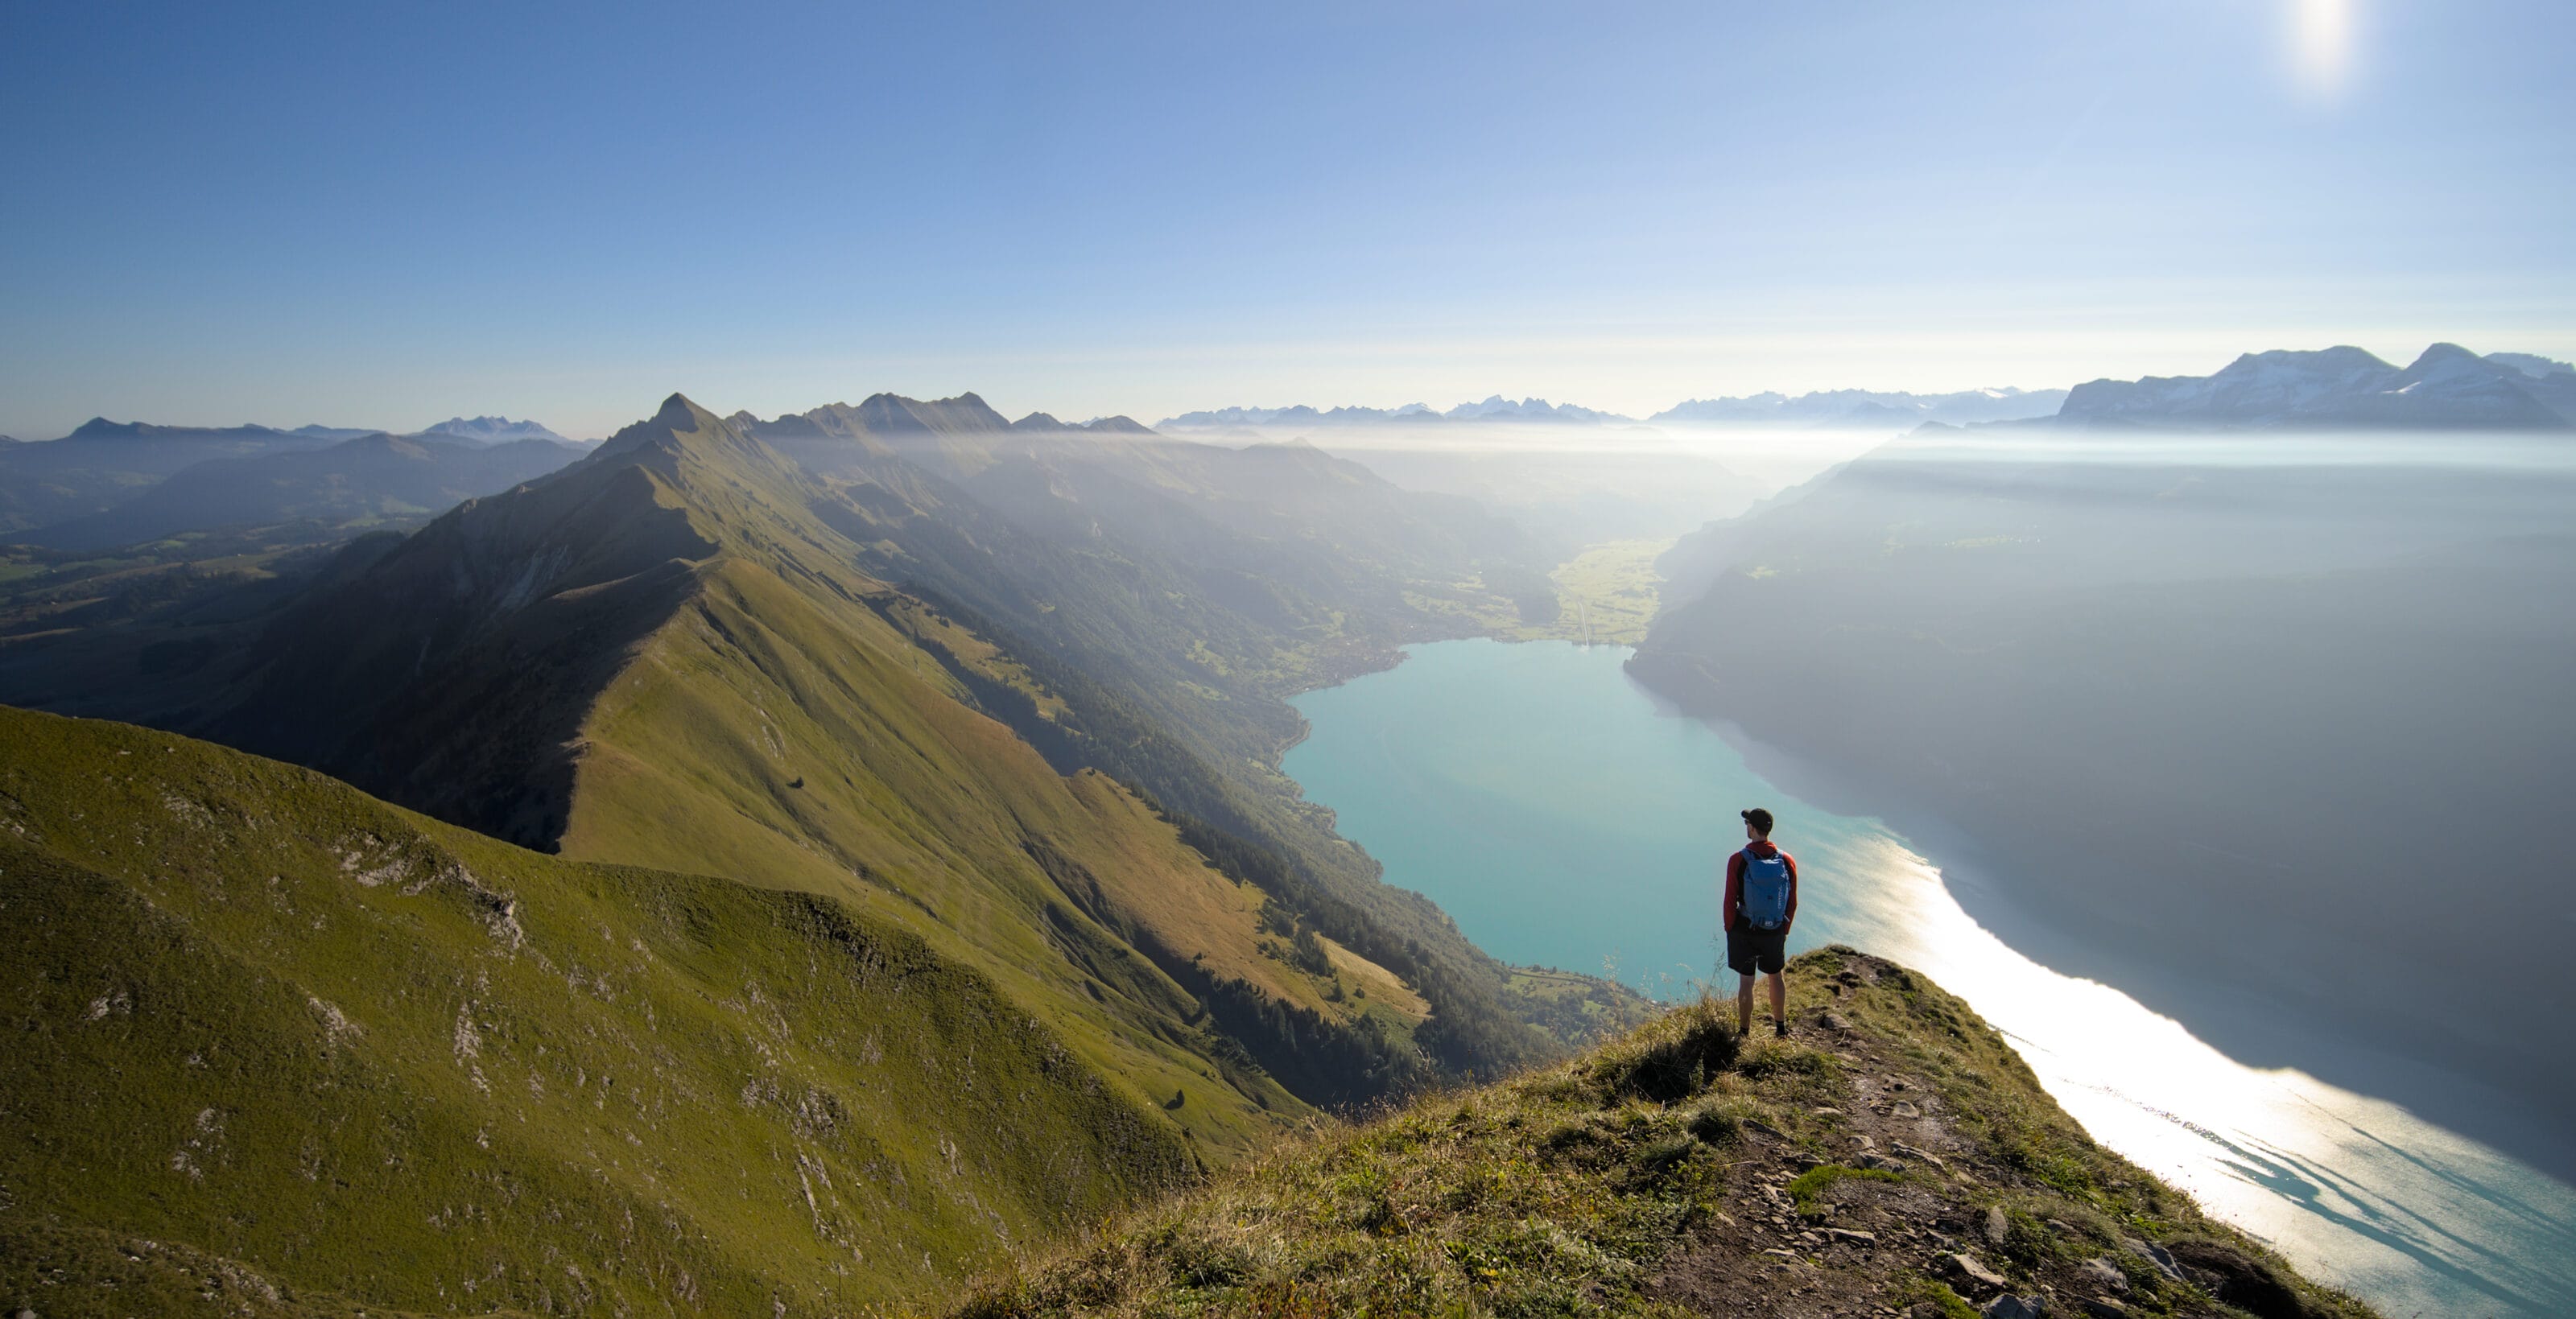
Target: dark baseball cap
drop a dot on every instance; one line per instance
(1758, 818)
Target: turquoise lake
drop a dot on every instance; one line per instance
(1564, 819)
(1543, 801)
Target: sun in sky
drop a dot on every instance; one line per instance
(2321, 44)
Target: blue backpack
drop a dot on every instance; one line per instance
(1765, 897)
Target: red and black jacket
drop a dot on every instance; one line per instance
(1735, 883)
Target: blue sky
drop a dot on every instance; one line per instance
(372, 214)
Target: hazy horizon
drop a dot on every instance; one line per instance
(1509, 434)
(511, 212)
(836, 847)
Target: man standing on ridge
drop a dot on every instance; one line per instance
(1761, 900)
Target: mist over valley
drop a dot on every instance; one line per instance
(1006, 662)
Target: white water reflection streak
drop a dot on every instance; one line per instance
(1551, 806)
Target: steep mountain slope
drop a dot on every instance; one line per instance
(1894, 1153)
(690, 650)
(1171, 594)
(349, 487)
(1313, 555)
(2446, 387)
(665, 654)
(273, 1038)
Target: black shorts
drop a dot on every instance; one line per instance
(1748, 950)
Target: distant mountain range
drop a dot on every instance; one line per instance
(2446, 387)
(481, 430)
(1866, 407)
(104, 462)
(359, 484)
(105, 480)
(492, 430)
(331, 432)
(1120, 425)
(1494, 408)
(95, 480)
(889, 416)
(1839, 407)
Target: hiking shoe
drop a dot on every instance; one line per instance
(1780, 1029)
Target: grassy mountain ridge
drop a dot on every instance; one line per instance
(664, 656)
(1171, 595)
(1032, 742)
(363, 1052)
(1134, 628)
(1893, 1156)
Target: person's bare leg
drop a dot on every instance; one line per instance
(1744, 1007)
(1779, 997)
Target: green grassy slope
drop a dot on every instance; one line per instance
(760, 734)
(685, 651)
(666, 656)
(1681, 1171)
(1170, 596)
(365, 1057)
(1151, 603)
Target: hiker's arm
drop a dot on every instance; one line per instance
(1791, 917)
(1734, 891)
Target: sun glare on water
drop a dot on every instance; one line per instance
(2321, 44)
(2373, 1197)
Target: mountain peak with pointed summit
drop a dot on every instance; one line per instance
(965, 414)
(680, 433)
